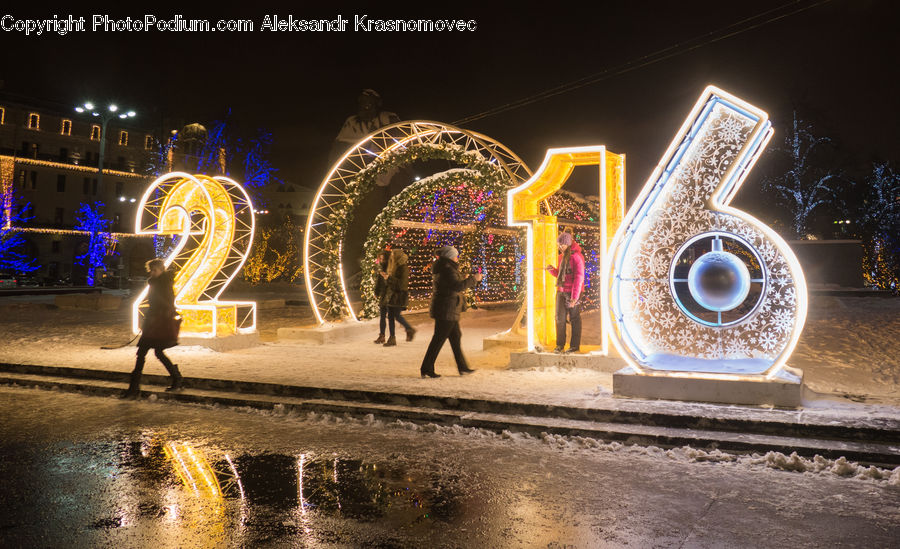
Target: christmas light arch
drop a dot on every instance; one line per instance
(459, 207)
(354, 175)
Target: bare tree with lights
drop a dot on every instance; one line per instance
(805, 185)
(12, 240)
(89, 218)
(879, 217)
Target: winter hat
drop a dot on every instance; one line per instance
(449, 252)
(565, 239)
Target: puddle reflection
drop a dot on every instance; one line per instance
(252, 498)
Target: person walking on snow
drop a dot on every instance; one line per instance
(381, 292)
(397, 294)
(569, 283)
(448, 301)
(160, 327)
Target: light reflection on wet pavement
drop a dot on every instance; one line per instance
(82, 471)
(205, 496)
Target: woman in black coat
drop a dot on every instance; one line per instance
(447, 304)
(381, 292)
(396, 280)
(159, 330)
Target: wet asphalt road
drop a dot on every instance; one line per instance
(82, 471)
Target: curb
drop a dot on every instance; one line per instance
(867, 444)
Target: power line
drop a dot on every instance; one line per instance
(648, 59)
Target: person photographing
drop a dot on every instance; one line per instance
(448, 301)
(569, 275)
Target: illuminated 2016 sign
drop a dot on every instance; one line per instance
(212, 222)
(699, 288)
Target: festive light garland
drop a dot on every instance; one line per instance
(72, 167)
(339, 220)
(458, 207)
(7, 173)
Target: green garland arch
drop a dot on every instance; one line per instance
(365, 181)
(380, 232)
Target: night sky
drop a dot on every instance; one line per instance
(835, 62)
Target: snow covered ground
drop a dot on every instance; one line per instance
(850, 350)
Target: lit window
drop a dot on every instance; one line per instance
(66, 128)
(2, 115)
(148, 142)
(123, 138)
(34, 121)
(95, 133)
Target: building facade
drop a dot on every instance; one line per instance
(49, 168)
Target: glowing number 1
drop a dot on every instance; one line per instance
(698, 287)
(213, 220)
(524, 210)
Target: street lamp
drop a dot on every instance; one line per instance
(105, 116)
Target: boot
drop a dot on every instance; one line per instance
(177, 379)
(410, 334)
(134, 388)
(391, 342)
(380, 339)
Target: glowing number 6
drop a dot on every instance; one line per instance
(698, 287)
(213, 220)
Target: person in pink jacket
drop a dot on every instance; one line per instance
(569, 283)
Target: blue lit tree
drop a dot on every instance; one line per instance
(245, 159)
(158, 161)
(11, 240)
(805, 185)
(258, 170)
(89, 218)
(218, 143)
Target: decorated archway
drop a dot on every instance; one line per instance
(458, 207)
(354, 176)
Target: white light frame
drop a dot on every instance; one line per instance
(212, 303)
(719, 201)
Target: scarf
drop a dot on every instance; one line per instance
(563, 267)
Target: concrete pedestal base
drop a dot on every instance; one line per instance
(509, 340)
(329, 333)
(785, 390)
(522, 359)
(222, 344)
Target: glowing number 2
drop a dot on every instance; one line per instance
(696, 286)
(213, 220)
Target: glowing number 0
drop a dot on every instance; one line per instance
(213, 220)
(698, 287)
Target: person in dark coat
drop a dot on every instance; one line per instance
(160, 327)
(447, 304)
(569, 283)
(381, 292)
(397, 294)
